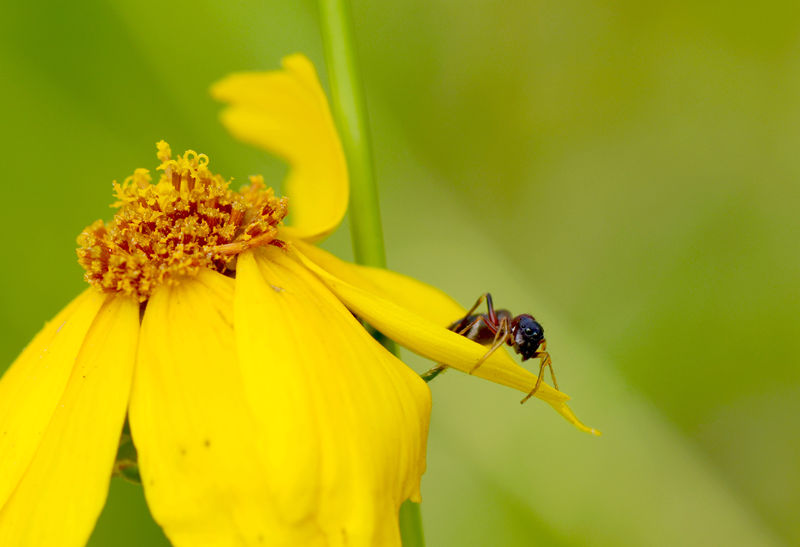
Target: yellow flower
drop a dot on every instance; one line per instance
(262, 411)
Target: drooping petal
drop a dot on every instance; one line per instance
(197, 441)
(435, 342)
(347, 420)
(286, 112)
(62, 491)
(416, 296)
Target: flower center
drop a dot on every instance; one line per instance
(188, 220)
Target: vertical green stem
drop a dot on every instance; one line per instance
(411, 525)
(350, 112)
(349, 109)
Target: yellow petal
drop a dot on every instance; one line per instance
(415, 296)
(286, 112)
(61, 493)
(435, 342)
(33, 385)
(347, 420)
(196, 438)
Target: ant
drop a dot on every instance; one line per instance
(498, 327)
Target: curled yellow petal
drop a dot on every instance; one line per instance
(64, 487)
(435, 342)
(418, 297)
(347, 420)
(286, 112)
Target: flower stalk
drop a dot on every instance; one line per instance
(350, 112)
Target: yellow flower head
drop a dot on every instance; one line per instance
(262, 411)
(188, 221)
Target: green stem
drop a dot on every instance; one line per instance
(411, 525)
(350, 112)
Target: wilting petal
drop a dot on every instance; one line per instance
(435, 342)
(415, 296)
(286, 112)
(347, 420)
(58, 498)
(196, 438)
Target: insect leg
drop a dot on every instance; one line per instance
(544, 362)
(463, 326)
(543, 349)
(545, 358)
(499, 339)
(439, 368)
(463, 332)
(490, 309)
(433, 373)
(470, 312)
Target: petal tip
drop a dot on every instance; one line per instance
(297, 62)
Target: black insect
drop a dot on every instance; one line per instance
(498, 327)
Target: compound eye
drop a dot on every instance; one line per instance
(528, 331)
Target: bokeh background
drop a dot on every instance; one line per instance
(626, 171)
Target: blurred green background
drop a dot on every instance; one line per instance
(627, 172)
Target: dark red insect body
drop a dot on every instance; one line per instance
(497, 327)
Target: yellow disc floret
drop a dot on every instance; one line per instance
(188, 220)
